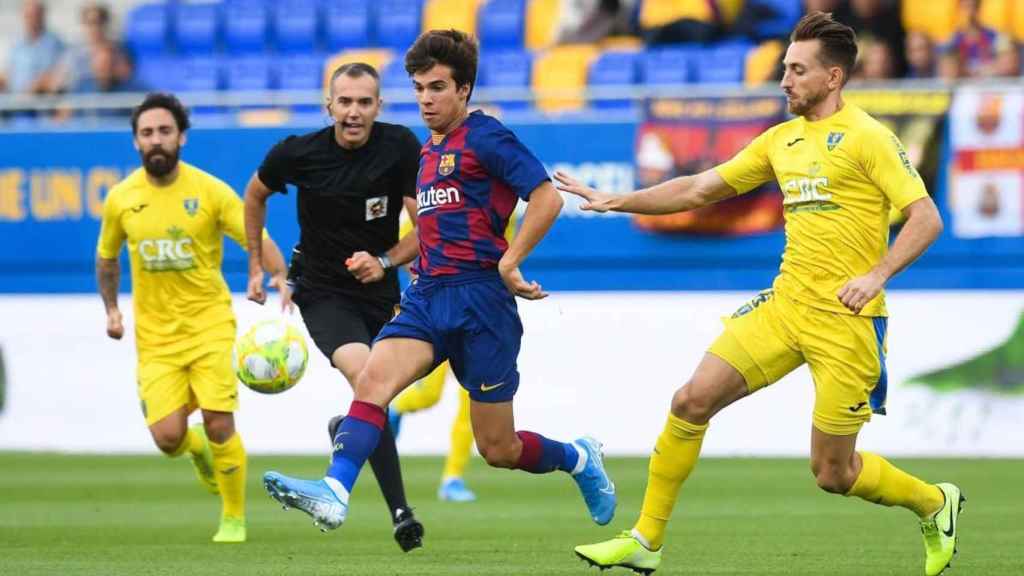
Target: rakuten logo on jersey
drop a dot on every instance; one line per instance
(433, 198)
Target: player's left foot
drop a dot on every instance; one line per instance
(455, 490)
(325, 500)
(408, 530)
(597, 488)
(203, 462)
(231, 531)
(624, 550)
(940, 531)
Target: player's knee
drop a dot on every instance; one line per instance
(219, 429)
(168, 441)
(691, 405)
(498, 455)
(368, 384)
(832, 478)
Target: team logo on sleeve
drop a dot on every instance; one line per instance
(834, 138)
(192, 206)
(376, 207)
(447, 165)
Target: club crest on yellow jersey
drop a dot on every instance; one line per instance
(191, 206)
(447, 165)
(833, 140)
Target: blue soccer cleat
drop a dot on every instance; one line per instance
(597, 488)
(394, 421)
(326, 500)
(455, 490)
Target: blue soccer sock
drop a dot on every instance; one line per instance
(355, 439)
(541, 455)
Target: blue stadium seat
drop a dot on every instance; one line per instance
(158, 73)
(613, 68)
(347, 24)
(506, 69)
(394, 77)
(246, 25)
(196, 27)
(722, 64)
(296, 25)
(301, 72)
(787, 12)
(146, 29)
(200, 74)
(397, 23)
(249, 73)
(500, 24)
(668, 65)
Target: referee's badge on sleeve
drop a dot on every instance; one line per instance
(376, 207)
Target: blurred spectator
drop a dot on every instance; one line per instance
(586, 21)
(874, 62)
(34, 57)
(683, 21)
(75, 67)
(976, 51)
(920, 55)
(877, 21)
(104, 74)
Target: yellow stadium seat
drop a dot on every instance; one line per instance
(996, 14)
(655, 13)
(622, 43)
(541, 23)
(762, 62)
(1017, 13)
(376, 57)
(937, 18)
(563, 69)
(445, 14)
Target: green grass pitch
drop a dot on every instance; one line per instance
(142, 515)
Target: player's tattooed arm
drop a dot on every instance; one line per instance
(108, 276)
(675, 195)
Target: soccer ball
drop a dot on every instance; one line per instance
(270, 357)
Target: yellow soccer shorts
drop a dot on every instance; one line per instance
(200, 377)
(772, 335)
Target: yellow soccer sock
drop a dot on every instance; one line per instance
(423, 394)
(462, 440)
(229, 467)
(674, 457)
(192, 443)
(882, 483)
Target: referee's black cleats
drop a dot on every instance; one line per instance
(408, 530)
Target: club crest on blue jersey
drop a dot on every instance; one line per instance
(834, 138)
(447, 164)
(192, 206)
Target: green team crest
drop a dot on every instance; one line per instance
(191, 206)
(834, 138)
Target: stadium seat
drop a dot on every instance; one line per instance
(249, 73)
(196, 27)
(1018, 22)
(763, 62)
(656, 13)
(998, 14)
(301, 73)
(564, 69)
(541, 23)
(146, 29)
(347, 25)
(397, 23)
(158, 73)
(500, 24)
(613, 68)
(787, 14)
(246, 26)
(668, 65)
(296, 28)
(506, 69)
(445, 14)
(937, 18)
(199, 74)
(723, 64)
(379, 58)
(394, 78)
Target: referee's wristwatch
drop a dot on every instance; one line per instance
(385, 262)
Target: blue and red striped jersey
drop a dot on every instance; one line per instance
(467, 188)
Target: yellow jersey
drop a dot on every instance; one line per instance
(839, 177)
(175, 244)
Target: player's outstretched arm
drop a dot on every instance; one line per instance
(544, 206)
(675, 195)
(108, 276)
(923, 226)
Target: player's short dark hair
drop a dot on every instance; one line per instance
(452, 48)
(355, 70)
(838, 41)
(166, 101)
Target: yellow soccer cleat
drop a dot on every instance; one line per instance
(939, 531)
(624, 550)
(231, 531)
(203, 463)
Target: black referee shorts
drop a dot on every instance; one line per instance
(334, 320)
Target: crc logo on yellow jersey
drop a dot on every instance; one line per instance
(807, 194)
(167, 254)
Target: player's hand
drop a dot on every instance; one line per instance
(280, 283)
(115, 324)
(255, 291)
(593, 200)
(518, 285)
(856, 294)
(365, 267)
